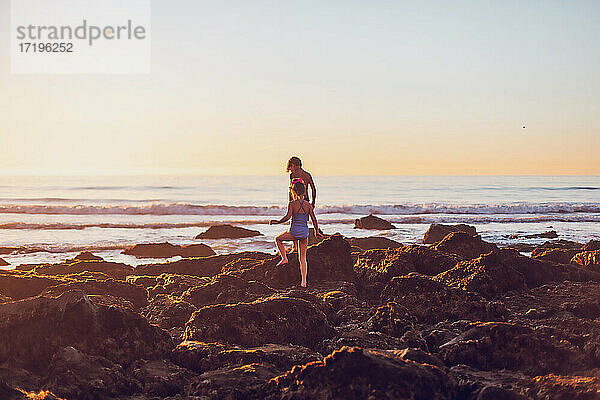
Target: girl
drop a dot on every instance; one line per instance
(299, 210)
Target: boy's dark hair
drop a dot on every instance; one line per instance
(296, 161)
(298, 188)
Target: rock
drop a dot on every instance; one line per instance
(19, 287)
(379, 266)
(587, 259)
(201, 266)
(8, 250)
(561, 256)
(224, 289)
(227, 232)
(3, 263)
(137, 295)
(430, 301)
(75, 375)
(372, 222)
(115, 270)
(330, 260)
(465, 245)
(505, 270)
(500, 345)
(201, 357)
(356, 373)
(545, 235)
(437, 232)
(313, 239)
(273, 320)
(87, 256)
(175, 285)
(374, 242)
(33, 330)
(563, 387)
(160, 378)
(392, 319)
(521, 247)
(168, 250)
(169, 313)
(591, 245)
(561, 244)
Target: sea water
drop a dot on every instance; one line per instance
(56, 217)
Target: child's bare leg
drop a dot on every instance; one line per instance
(302, 246)
(281, 247)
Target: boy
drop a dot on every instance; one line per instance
(297, 174)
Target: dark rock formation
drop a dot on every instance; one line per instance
(3, 263)
(273, 320)
(201, 266)
(544, 235)
(437, 232)
(372, 222)
(379, 266)
(500, 345)
(18, 286)
(374, 242)
(168, 250)
(561, 256)
(330, 260)
(465, 245)
(87, 256)
(113, 269)
(137, 295)
(175, 285)
(160, 378)
(591, 245)
(355, 373)
(430, 301)
(588, 259)
(227, 232)
(224, 289)
(505, 270)
(561, 244)
(35, 329)
(169, 313)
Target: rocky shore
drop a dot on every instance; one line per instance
(458, 319)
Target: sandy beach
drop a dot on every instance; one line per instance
(456, 317)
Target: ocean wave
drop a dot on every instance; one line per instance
(193, 209)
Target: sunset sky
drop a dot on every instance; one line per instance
(353, 87)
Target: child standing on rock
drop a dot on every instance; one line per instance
(299, 210)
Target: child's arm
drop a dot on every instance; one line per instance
(313, 188)
(284, 218)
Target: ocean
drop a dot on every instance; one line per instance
(54, 218)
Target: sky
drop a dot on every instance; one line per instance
(352, 87)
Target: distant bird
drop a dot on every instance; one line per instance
(523, 126)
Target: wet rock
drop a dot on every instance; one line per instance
(137, 295)
(392, 319)
(175, 284)
(273, 320)
(372, 222)
(544, 235)
(115, 270)
(430, 301)
(227, 232)
(561, 256)
(35, 329)
(591, 245)
(561, 244)
(465, 245)
(169, 313)
(3, 263)
(224, 289)
(160, 378)
(9, 250)
(565, 387)
(500, 345)
(355, 373)
(201, 357)
(168, 250)
(374, 242)
(75, 375)
(376, 267)
(505, 270)
(437, 232)
(588, 259)
(18, 286)
(328, 261)
(87, 256)
(201, 266)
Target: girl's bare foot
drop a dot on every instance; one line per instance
(303, 284)
(282, 262)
